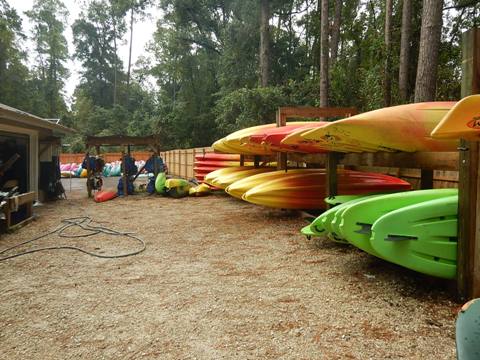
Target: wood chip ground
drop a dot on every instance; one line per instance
(220, 279)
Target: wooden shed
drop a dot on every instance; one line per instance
(37, 141)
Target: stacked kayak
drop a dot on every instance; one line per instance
(208, 162)
(462, 121)
(271, 138)
(239, 141)
(306, 189)
(397, 128)
(223, 178)
(414, 229)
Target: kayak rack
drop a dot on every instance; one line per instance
(465, 162)
(125, 142)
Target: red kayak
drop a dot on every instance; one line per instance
(208, 168)
(217, 157)
(105, 195)
(272, 137)
(202, 163)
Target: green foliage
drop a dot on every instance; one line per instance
(95, 34)
(204, 60)
(248, 107)
(49, 18)
(16, 88)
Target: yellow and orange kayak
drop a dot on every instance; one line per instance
(461, 122)
(240, 187)
(397, 128)
(307, 191)
(224, 181)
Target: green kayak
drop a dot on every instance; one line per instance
(358, 219)
(420, 237)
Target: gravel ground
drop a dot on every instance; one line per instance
(220, 279)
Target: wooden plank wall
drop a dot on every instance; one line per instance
(181, 162)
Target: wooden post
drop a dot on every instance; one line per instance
(426, 179)
(155, 165)
(125, 176)
(282, 158)
(468, 248)
(331, 180)
(186, 164)
(256, 161)
(242, 160)
(89, 175)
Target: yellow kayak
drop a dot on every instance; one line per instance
(398, 128)
(461, 122)
(240, 187)
(210, 177)
(224, 181)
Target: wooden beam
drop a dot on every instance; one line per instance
(468, 248)
(316, 112)
(420, 160)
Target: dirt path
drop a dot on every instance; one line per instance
(220, 279)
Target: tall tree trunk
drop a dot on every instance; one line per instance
(114, 21)
(405, 50)
(387, 90)
(130, 54)
(264, 43)
(425, 85)
(324, 53)
(337, 18)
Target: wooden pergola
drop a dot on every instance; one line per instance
(125, 142)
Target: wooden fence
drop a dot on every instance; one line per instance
(181, 162)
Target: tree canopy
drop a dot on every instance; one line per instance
(220, 65)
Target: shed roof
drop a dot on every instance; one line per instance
(33, 121)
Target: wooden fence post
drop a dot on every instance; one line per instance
(468, 248)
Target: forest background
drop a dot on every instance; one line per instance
(221, 65)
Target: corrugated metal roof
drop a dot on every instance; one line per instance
(12, 114)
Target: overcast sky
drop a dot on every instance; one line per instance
(142, 33)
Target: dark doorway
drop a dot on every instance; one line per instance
(11, 144)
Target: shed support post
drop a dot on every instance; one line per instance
(155, 164)
(468, 248)
(242, 160)
(89, 174)
(125, 176)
